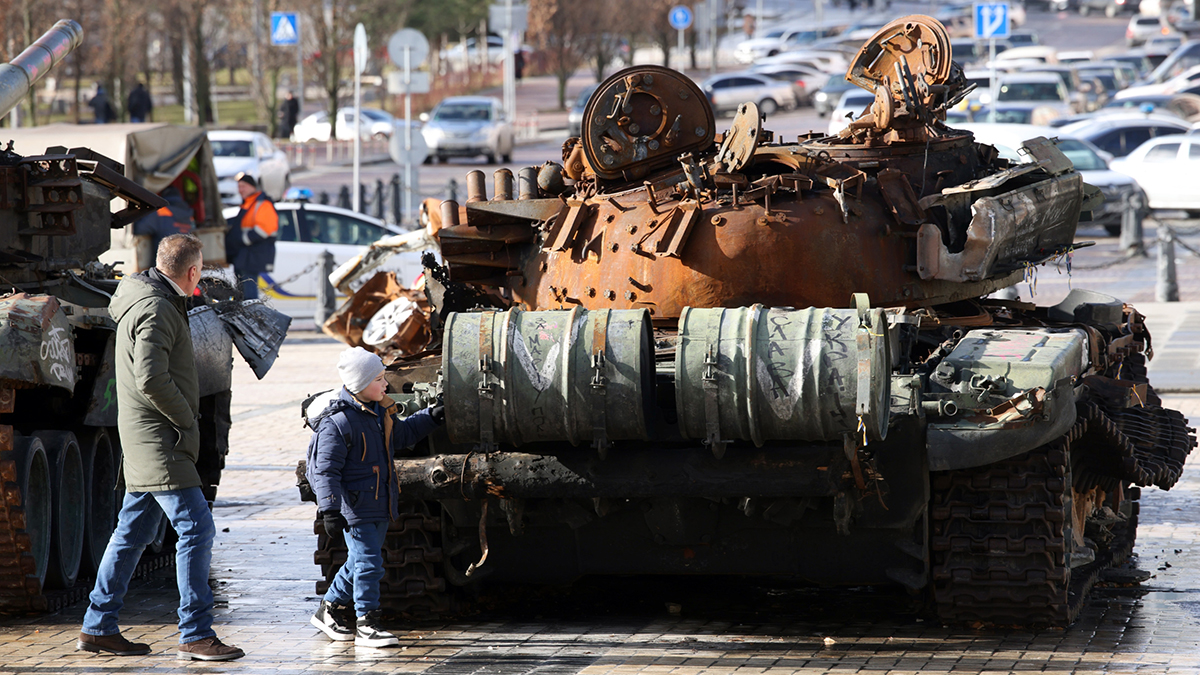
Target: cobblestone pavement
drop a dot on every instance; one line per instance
(264, 576)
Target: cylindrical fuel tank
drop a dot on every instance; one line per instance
(759, 374)
(571, 375)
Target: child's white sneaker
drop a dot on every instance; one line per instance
(371, 634)
(336, 621)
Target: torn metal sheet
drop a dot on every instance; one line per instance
(257, 332)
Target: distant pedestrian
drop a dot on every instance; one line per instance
(140, 106)
(250, 241)
(102, 110)
(289, 113)
(350, 468)
(519, 65)
(158, 405)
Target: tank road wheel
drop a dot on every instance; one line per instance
(68, 494)
(999, 541)
(103, 502)
(30, 522)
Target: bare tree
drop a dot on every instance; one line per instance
(561, 28)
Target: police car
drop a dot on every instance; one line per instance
(306, 230)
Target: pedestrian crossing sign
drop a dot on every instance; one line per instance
(284, 31)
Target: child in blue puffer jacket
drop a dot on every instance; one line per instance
(351, 471)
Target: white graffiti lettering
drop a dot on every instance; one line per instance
(57, 349)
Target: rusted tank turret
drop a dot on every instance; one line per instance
(692, 352)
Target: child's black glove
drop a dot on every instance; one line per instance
(335, 524)
(438, 413)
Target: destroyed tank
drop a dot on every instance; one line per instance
(60, 455)
(679, 352)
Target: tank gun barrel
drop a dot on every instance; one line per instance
(18, 76)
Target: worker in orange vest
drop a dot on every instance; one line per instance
(251, 239)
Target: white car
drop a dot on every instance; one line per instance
(1166, 167)
(305, 231)
(850, 107)
(315, 127)
(826, 61)
(253, 153)
(1185, 80)
(1046, 89)
(778, 40)
(727, 92)
(1141, 28)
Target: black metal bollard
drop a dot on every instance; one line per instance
(363, 198)
(1166, 288)
(344, 197)
(452, 190)
(397, 204)
(324, 197)
(378, 199)
(1132, 213)
(326, 297)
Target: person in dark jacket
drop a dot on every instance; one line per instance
(101, 108)
(250, 242)
(290, 113)
(158, 403)
(140, 105)
(350, 469)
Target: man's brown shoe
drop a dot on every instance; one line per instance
(209, 649)
(112, 644)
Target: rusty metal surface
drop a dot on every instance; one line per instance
(641, 119)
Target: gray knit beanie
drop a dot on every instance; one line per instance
(358, 368)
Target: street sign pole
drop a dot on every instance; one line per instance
(360, 64)
(408, 186)
(992, 84)
(300, 60)
(680, 18)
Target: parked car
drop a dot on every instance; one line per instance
(466, 126)
(726, 92)
(1142, 28)
(315, 127)
(827, 97)
(825, 60)
(1111, 8)
(805, 80)
(850, 107)
(575, 115)
(1087, 158)
(1183, 81)
(1184, 105)
(1022, 113)
(1169, 42)
(305, 231)
(1166, 168)
(1134, 59)
(780, 40)
(1041, 88)
(1119, 135)
(253, 153)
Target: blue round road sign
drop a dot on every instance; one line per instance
(680, 17)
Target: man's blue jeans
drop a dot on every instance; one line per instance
(188, 513)
(359, 577)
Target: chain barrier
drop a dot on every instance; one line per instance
(278, 285)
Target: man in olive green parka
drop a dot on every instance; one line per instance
(158, 401)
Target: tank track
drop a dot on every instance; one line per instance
(1000, 540)
(413, 583)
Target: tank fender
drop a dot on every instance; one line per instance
(36, 342)
(1002, 393)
